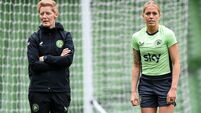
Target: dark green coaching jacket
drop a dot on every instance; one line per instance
(52, 75)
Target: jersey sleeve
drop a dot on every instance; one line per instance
(134, 43)
(171, 39)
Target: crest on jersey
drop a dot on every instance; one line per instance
(158, 42)
(141, 43)
(59, 43)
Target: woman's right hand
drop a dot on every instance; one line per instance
(134, 99)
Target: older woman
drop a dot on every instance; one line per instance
(50, 54)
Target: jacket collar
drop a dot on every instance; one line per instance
(58, 26)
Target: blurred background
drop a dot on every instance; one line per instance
(102, 31)
(194, 54)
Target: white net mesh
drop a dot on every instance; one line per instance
(113, 23)
(70, 17)
(112, 29)
(13, 70)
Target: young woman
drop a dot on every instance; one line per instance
(50, 54)
(156, 58)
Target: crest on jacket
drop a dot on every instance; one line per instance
(59, 43)
(35, 107)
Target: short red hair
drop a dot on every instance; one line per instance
(50, 3)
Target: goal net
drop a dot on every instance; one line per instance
(113, 23)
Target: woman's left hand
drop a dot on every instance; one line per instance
(171, 96)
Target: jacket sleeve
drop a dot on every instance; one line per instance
(33, 56)
(63, 61)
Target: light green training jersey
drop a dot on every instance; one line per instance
(153, 50)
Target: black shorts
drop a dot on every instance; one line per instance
(153, 90)
(44, 102)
